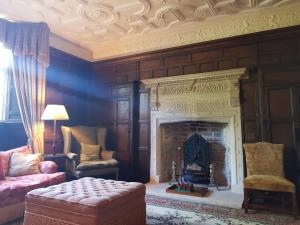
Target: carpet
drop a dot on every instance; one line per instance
(164, 211)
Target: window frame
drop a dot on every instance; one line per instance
(9, 95)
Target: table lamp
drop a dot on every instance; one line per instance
(55, 112)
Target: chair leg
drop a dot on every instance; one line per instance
(294, 205)
(246, 200)
(117, 175)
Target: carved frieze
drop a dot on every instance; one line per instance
(203, 92)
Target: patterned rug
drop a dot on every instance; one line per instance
(164, 211)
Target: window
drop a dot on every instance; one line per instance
(9, 109)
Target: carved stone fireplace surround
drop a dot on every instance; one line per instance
(211, 97)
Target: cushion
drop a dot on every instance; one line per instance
(269, 183)
(101, 136)
(48, 167)
(97, 164)
(107, 155)
(13, 189)
(264, 158)
(89, 152)
(24, 164)
(5, 156)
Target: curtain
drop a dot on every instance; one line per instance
(29, 44)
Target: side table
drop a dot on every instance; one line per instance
(59, 159)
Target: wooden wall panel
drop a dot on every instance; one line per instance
(12, 135)
(143, 151)
(262, 53)
(278, 99)
(67, 82)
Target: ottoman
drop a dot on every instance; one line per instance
(87, 201)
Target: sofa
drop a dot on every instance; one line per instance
(14, 188)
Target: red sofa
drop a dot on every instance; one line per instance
(14, 189)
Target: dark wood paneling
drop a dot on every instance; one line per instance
(143, 153)
(262, 53)
(282, 133)
(118, 108)
(278, 99)
(67, 82)
(12, 135)
(280, 118)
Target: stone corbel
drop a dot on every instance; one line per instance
(154, 103)
(235, 93)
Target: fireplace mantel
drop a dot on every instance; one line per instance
(213, 97)
(222, 86)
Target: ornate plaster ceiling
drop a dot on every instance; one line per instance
(101, 26)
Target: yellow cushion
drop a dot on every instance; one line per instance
(89, 152)
(24, 164)
(269, 183)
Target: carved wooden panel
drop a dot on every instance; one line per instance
(123, 110)
(282, 133)
(123, 142)
(279, 99)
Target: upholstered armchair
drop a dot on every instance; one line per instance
(77, 165)
(265, 172)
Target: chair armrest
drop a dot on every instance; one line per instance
(72, 156)
(107, 154)
(72, 161)
(48, 167)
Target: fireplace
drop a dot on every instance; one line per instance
(207, 97)
(174, 137)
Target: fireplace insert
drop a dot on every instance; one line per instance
(196, 157)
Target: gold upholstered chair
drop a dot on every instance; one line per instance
(265, 172)
(82, 146)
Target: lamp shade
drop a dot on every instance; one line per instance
(55, 112)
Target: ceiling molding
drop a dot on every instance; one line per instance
(97, 30)
(70, 48)
(218, 28)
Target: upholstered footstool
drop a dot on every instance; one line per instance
(87, 201)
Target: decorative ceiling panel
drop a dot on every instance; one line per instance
(92, 23)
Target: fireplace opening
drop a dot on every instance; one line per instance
(212, 139)
(196, 160)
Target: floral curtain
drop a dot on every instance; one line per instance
(29, 44)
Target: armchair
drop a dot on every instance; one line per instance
(73, 137)
(265, 173)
